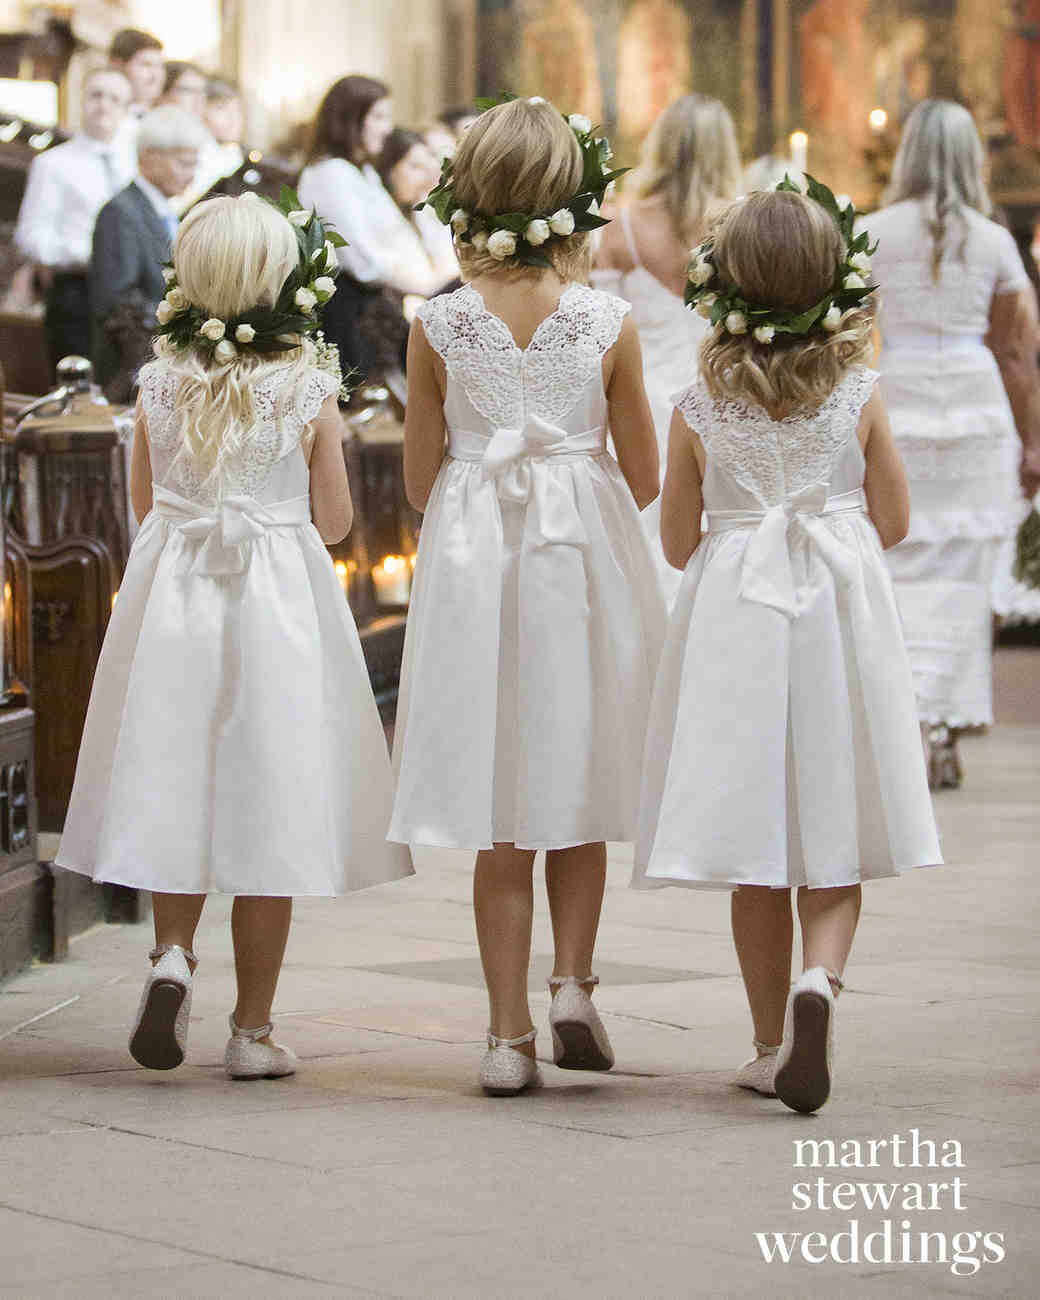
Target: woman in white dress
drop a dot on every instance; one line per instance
(535, 621)
(689, 168)
(954, 352)
(232, 744)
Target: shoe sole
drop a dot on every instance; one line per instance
(245, 1078)
(803, 1082)
(154, 1043)
(575, 1047)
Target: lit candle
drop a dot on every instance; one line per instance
(799, 143)
(878, 119)
(392, 579)
(343, 574)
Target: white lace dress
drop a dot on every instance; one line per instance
(232, 744)
(955, 432)
(536, 618)
(670, 336)
(783, 746)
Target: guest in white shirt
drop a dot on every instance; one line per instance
(66, 189)
(139, 56)
(223, 154)
(422, 247)
(184, 87)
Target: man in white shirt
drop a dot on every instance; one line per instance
(66, 189)
(139, 56)
(135, 229)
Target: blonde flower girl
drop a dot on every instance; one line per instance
(535, 623)
(232, 744)
(783, 748)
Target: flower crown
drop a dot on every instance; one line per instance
(727, 308)
(260, 329)
(523, 235)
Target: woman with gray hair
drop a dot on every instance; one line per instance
(958, 376)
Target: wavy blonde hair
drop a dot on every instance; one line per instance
(941, 160)
(689, 158)
(229, 255)
(780, 249)
(520, 157)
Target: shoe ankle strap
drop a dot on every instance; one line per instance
(766, 1049)
(558, 981)
(494, 1041)
(252, 1034)
(160, 950)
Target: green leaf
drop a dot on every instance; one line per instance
(485, 102)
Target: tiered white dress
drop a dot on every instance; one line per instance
(955, 432)
(536, 618)
(232, 744)
(670, 336)
(783, 746)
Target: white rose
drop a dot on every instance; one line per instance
(860, 262)
(225, 352)
(562, 222)
(212, 329)
(325, 284)
(536, 99)
(764, 333)
(479, 240)
(578, 122)
(843, 201)
(299, 217)
(169, 275)
(459, 220)
(701, 272)
(854, 281)
(177, 298)
(245, 334)
(304, 299)
(164, 313)
(706, 303)
(502, 244)
(331, 259)
(736, 322)
(537, 231)
(832, 320)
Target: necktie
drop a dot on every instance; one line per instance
(171, 225)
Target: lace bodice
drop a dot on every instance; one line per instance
(267, 468)
(772, 460)
(915, 310)
(557, 377)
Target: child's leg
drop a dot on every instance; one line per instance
(763, 932)
(575, 879)
(829, 918)
(176, 918)
(503, 901)
(259, 930)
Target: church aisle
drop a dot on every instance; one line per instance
(380, 1170)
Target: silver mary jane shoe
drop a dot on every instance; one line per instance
(580, 1041)
(804, 1062)
(504, 1071)
(159, 1037)
(247, 1058)
(757, 1074)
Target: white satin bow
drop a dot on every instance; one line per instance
(515, 458)
(228, 528)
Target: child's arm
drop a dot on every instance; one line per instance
(140, 465)
(630, 420)
(423, 418)
(682, 499)
(888, 498)
(331, 507)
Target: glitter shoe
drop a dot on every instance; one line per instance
(504, 1071)
(803, 1064)
(757, 1074)
(160, 1034)
(247, 1058)
(580, 1041)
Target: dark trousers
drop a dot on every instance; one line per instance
(66, 317)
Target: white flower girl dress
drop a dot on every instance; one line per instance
(784, 746)
(536, 616)
(232, 744)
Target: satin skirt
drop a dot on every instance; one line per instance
(232, 744)
(528, 667)
(784, 751)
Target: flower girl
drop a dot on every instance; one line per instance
(783, 747)
(535, 622)
(232, 744)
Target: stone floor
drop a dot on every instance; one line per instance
(381, 1171)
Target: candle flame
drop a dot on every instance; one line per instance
(878, 118)
(798, 140)
(392, 564)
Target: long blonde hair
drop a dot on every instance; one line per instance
(520, 157)
(941, 160)
(780, 249)
(229, 255)
(689, 158)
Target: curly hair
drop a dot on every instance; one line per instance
(780, 249)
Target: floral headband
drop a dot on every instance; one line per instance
(523, 235)
(727, 308)
(260, 329)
